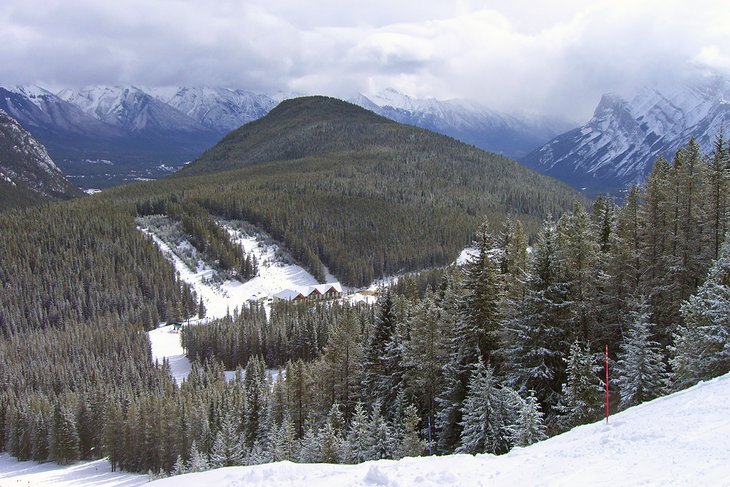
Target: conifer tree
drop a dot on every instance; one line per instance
(331, 437)
(582, 392)
(535, 340)
(64, 445)
(380, 434)
(717, 190)
(198, 461)
(701, 346)
(411, 444)
(359, 442)
(529, 427)
(641, 374)
(483, 425)
(227, 448)
(374, 363)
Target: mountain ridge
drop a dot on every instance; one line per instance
(28, 175)
(619, 144)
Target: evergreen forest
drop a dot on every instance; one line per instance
(503, 351)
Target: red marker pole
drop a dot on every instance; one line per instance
(606, 383)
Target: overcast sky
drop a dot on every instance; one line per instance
(551, 57)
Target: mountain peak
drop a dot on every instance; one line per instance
(620, 143)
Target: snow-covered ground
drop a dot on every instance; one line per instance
(274, 275)
(83, 474)
(682, 439)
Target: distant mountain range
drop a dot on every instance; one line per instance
(105, 135)
(511, 135)
(27, 173)
(620, 143)
(137, 133)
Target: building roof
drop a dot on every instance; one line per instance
(291, 294)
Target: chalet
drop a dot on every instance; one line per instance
(330, 290)
(288, 295)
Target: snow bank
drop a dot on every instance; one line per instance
(682, 439)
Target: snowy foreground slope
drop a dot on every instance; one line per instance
(682, 439)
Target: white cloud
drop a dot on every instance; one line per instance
(555, 57)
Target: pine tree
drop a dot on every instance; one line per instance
(285, 443)
(640, 370)
(374, 363)
(535, 339)
(717, 190)
(483, 419)
(426, 352)
(473, 339)
(310, 451)
(227, 448)
(331, 437)
(179, 468)
(380, 434)
(577, 253)
(482, 296)
(411, 444)
(198, 461)
(358, 442)
(701, 346)
(529, 427)
(582, 392)
(64, 445)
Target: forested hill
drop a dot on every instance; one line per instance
(345, 188)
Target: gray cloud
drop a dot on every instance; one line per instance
(556, 58)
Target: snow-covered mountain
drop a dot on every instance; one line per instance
(26, 166)
(511, 135)
(623, 138)
(219, 109)
(130, 109)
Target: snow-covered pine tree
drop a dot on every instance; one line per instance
(577, 253)
(411, 444)
(309, 453)
(331, 436)
(583, 390)
(374, 363)
(474, 337)
(381, 436)
(179, 468)
(64, 444)
(228, 445)
(426, 352)
(529, 427)
(285, 443)
(701, 348)
(198, 461)
(641, 373)
(358, 442)
(483, 423)
(536, 337)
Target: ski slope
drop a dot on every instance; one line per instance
(678, 440)
(274, 275)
